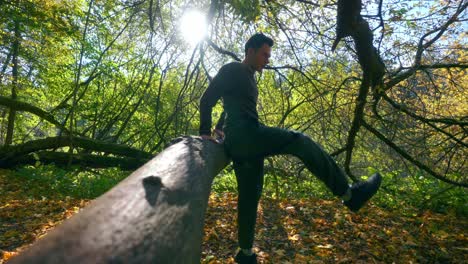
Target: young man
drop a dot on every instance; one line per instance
(248, 142)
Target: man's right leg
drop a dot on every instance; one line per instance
(249, 175)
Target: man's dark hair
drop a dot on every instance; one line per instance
(257, 41)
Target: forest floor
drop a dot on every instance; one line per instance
(288, 231)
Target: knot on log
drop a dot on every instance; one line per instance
(152, 185)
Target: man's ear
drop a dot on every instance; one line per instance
(250, 51)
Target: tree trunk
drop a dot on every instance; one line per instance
(14, 85)
(156, 215)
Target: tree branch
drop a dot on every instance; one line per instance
(22, 106)
(409, 158)
(222, 51)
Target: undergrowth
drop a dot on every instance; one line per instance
(417, 191)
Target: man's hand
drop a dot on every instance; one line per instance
(210, 138)
(219, 134)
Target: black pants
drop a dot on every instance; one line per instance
(248, 143)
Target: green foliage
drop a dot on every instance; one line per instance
(416, 191)
(225, 181)
(248, 10)
(424, 193)
(45, 180)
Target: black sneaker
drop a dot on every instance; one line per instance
(244, 259)
(361, 192)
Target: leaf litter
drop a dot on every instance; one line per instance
(288, 230)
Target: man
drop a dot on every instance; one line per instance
(248, 142)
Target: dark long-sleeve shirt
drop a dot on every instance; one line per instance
(235, 84)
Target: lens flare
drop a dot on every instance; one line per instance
(193, 26)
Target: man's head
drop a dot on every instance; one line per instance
(258, 51)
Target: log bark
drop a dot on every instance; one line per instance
(155, 215)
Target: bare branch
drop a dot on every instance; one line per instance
(410, 158)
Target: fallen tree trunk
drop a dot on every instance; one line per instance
(65, 159)
(155, 215)
(9, 154)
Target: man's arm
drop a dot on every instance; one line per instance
(209, 98)
(219, 133)
(219, 125)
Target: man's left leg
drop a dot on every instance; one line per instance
(275, 141)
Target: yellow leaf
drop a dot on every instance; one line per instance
(294, 237)
(279, 252)
(327, 246)
(8, 254)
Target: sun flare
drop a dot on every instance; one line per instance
(193, 26)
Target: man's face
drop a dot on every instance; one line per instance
(261, 57)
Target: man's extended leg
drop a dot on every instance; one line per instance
(319, 162)
(280, 141)
(249, 175)
(274, 141)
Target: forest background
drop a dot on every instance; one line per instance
(90, 90)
